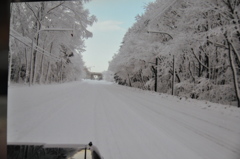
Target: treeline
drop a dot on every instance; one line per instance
(192, 46)
(46, 41)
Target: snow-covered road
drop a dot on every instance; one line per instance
(123, 122)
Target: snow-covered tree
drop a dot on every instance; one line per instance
(47, 40)
(202, 36)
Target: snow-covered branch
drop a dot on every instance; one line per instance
(53, 8)
(34, 60)
(160, 33)
(199, 59)
(28, 5)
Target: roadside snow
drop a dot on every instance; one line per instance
(123, 122)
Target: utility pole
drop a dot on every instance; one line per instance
(61, 73)
(9, 66)
(156, 73)
(173, 77)
(31, 65)
(32, 74)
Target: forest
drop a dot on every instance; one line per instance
(46, 41)
(187, 48)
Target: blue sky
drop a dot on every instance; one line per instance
(114, 19)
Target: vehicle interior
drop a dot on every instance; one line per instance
(46, 151)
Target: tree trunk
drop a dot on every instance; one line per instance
(41, 70)
(189, 67)
(199, 65)
(173, 77)
(61, 71)
(10, 67)
(37, 42)
(19, 71)
(48, 71)
(235, 81)
(35, 66)
(141, 79)
(207, 64)
(156, 74)
(216, 69)
(31, 65)
(129, 80)
(49, 65)
(26, 71)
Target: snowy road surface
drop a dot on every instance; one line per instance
(123, 122)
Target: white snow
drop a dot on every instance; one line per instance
(123, 122)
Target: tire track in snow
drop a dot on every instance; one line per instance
(110, 127)
(101, 123)
(124, 123)
(136, 99)
(114, 124)
(105, 127)
(199, 131)
(232, 146)
(158, 142)
(194, 113)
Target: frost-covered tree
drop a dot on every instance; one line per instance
(203, 38)
(41, 50)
